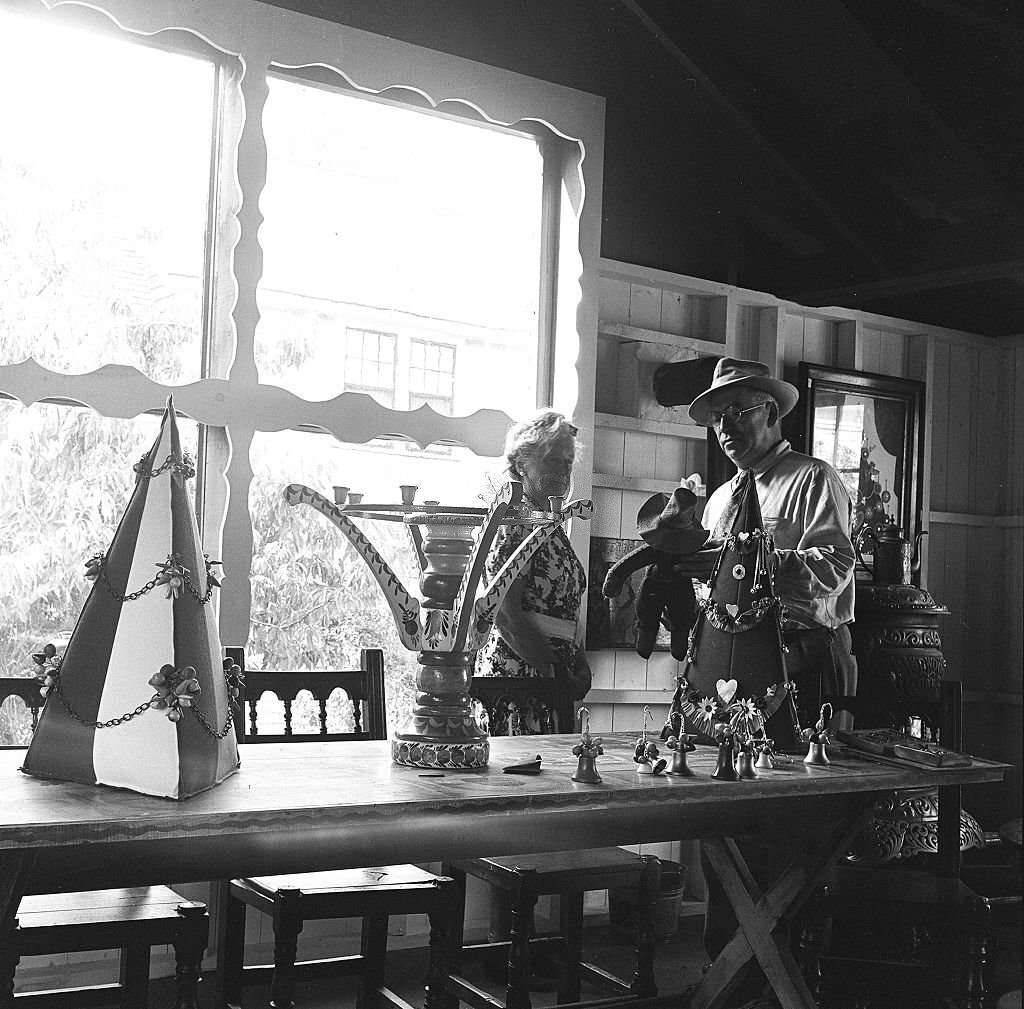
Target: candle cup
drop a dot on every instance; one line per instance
(340, 495)
(354, 498)
(408, 492)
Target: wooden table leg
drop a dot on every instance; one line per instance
(15, 869)
(761, 916)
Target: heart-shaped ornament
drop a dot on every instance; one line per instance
(727, 689)
(732, 609)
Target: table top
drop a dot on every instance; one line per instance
(293, 807)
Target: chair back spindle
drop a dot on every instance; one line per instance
(527, 706)
(364, 687)
(27, 689)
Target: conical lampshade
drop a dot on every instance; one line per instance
(141, 700)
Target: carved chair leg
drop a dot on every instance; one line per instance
(287, 926)
(189, 946)
(570, 926)
(135, 976)
(445, 921)
(374, 950)
(456, 934)
(813, 924)
(230, 949)
(524, 900)
(9, 961)
(969, 988)
(643, 985)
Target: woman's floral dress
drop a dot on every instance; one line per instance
(554, 585)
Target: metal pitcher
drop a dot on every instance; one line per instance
(895, 558)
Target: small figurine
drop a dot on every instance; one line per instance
(745, 760)
(817, 738)
(587, 750)
(646, 753)
(765, 754)
(669, 527)
(680, 743)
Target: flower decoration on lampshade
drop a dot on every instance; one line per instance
(47, 668)
(726, 716)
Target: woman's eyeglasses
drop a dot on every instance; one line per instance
(731, 413)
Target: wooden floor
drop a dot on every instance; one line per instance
(678, 965)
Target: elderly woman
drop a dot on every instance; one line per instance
(535, 632)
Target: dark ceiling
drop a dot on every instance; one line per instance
(866, 154)
(898, 131)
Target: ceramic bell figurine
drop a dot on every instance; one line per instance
(680, 747)
(725, 769)
(764, 760)
(587, 750)
(745, 762)
(645, 753)
(817, 738)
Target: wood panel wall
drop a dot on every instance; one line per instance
(973, 468)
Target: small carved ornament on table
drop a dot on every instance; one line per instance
(680, 744)
(587, 750)
(646, 754)
(818, 738)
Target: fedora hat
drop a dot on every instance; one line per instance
(733, 373)
(670, 523)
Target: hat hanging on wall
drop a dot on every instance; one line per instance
(141, 698)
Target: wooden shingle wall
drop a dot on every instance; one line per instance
(973, 498)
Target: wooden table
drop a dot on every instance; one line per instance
(329, 805)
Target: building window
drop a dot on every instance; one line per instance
(431, 375)
(370, 364)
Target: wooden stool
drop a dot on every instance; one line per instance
(131, 920)
(371, 894)
(569, 874)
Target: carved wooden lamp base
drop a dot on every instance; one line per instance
(442, 731)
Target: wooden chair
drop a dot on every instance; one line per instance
(529, 706)
(129, 920)
(517, 706)
(898, 933)
(372, 894)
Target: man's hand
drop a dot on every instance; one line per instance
(700, 563)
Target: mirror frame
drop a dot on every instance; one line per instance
(815, 379)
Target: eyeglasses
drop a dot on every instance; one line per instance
(731, 413)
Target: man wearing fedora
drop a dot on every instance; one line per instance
(807, 509)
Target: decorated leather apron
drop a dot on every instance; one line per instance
(738, 635)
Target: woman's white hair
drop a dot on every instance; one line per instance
(531, 436)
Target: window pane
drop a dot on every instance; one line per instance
(67, 477)
(101, 264)
(397, 220)
(315, 603)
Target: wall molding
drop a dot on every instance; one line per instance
(973, 519)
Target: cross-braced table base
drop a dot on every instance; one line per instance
(764, 917)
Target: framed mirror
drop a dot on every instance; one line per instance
(869, 427)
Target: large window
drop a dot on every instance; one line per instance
(169, 225)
